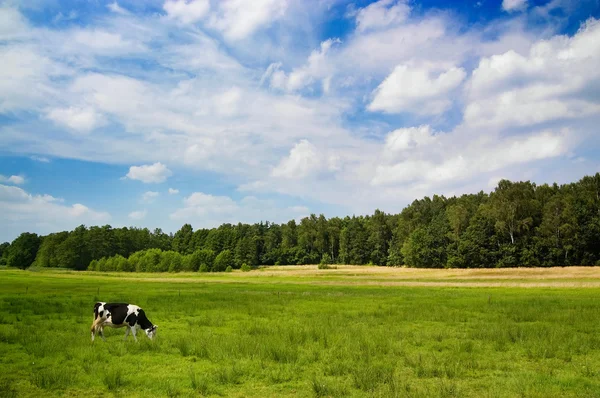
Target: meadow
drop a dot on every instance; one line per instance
(304, 332)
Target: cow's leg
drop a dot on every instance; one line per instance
(133, 333)
(126, 334)
(102, 332)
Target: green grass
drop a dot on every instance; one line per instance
(285, 339)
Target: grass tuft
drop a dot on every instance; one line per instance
(53, 378)
(113, 379)
(200, 384)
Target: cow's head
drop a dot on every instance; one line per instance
(151, 332)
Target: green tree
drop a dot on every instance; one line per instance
(73, 252)
(47, 255)
(200, 258)
(558, 232)
(160, 240)
(182, 239)
(222, 261)
(380, 235)
(354, 248)
(478, 247)
(399, 236)
(4, 252)
(512, 207)
(22, 250)
(427, 246)
(289, 235)
(334, 228)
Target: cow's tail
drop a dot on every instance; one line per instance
(96, 318)
(95, 324)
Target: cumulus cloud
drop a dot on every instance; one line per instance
(238, 19)
(514, 5)
(201, 204)
(504, 97)
(316, 69)
(103, 41)
(149, 196)
(554, 81)
(187, 11)
(149, 173)
(18, 180)
(80, 119)
(302, 161)
(173, 191)
(25, 77)
(381, 14)
(405, 139)
(411, 162)
(205, 210)
(116, 8)
(12, 24)
(137, 215)
(41, 159)
(42, 213)
(418, 90)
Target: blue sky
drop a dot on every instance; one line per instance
(158, 113)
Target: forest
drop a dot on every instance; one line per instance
(517, 224)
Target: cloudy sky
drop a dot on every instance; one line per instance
(156, 113)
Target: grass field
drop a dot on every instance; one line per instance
(299, 331)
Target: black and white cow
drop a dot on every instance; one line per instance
(119, 315)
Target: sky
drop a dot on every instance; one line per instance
(159, 113)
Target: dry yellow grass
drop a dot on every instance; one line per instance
(557, 277)
(420, 273)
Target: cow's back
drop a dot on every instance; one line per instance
(117, 312)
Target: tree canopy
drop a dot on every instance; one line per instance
(518, 224)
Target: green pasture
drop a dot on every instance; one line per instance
(235, 339)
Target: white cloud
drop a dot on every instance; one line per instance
(42, 213)
(25, 77)
(195, 102)
(72, 15)
(200, 204)
(116, 8)
(18, 180)
(104, 42)
(302, 161)
(410, 89)
(407, 139)
(81, 119)
(137, 215)
(514, 5)
(173, 191)
(12, 24)
(149, 196)
(316, 68)
(41, 159)
(554, 81)
(418, 162)
(205, 210)
(187, 11)
(149, 173)
(381, 14)
(238, 19)
(227, 103)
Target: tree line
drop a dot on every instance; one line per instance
(518, 224)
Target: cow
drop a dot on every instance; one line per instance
(118, 315)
